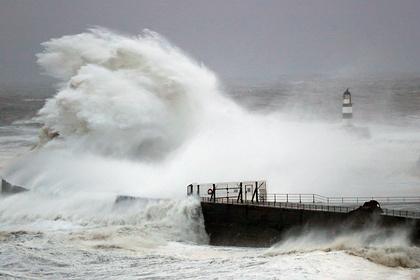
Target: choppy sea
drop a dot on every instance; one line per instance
(57, 233)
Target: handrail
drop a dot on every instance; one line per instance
(311, 207)
(316, 198)
(291, 205)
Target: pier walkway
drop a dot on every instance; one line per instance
(255, 193)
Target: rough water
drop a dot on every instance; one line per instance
(137, 116)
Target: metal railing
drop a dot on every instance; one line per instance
(244, 191)
(309, 205)
(401, 213)
(278, 204)
(347, 200)
(254, 193)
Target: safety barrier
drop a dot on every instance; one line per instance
(309, 206)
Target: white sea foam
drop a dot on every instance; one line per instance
(151, 221)
(386, 247)
(125, 95)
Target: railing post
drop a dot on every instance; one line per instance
(227, 193)
(313, 198)
(256, 192)
(214, 192)
(300, 198)
(287, 198)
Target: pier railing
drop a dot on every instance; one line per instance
(255, 193)
(310, 206)
(256, 190)
(348, 200)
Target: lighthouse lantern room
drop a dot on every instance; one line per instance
(347, 105)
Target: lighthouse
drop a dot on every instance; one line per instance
(347, 106)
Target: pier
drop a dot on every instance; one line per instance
(244, 214)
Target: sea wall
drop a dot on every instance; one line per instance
(260, 226)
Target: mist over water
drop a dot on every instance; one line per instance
(137, 116)
(130, 109)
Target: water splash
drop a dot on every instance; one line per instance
(390, 248)
(135, 96)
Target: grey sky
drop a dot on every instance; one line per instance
(237, 39)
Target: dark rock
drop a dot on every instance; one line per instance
(126, 198)
(7, 188)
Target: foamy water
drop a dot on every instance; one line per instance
(137, 116)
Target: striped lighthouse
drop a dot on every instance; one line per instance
(347, 105)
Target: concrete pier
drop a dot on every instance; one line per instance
(259, 219)
(263, 225)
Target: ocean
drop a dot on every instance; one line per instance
(137, 116)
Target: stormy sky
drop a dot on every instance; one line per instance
(238, 39)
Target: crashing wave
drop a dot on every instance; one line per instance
(122, 95)
(389, 248)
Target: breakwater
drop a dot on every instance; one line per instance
(244, 214)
